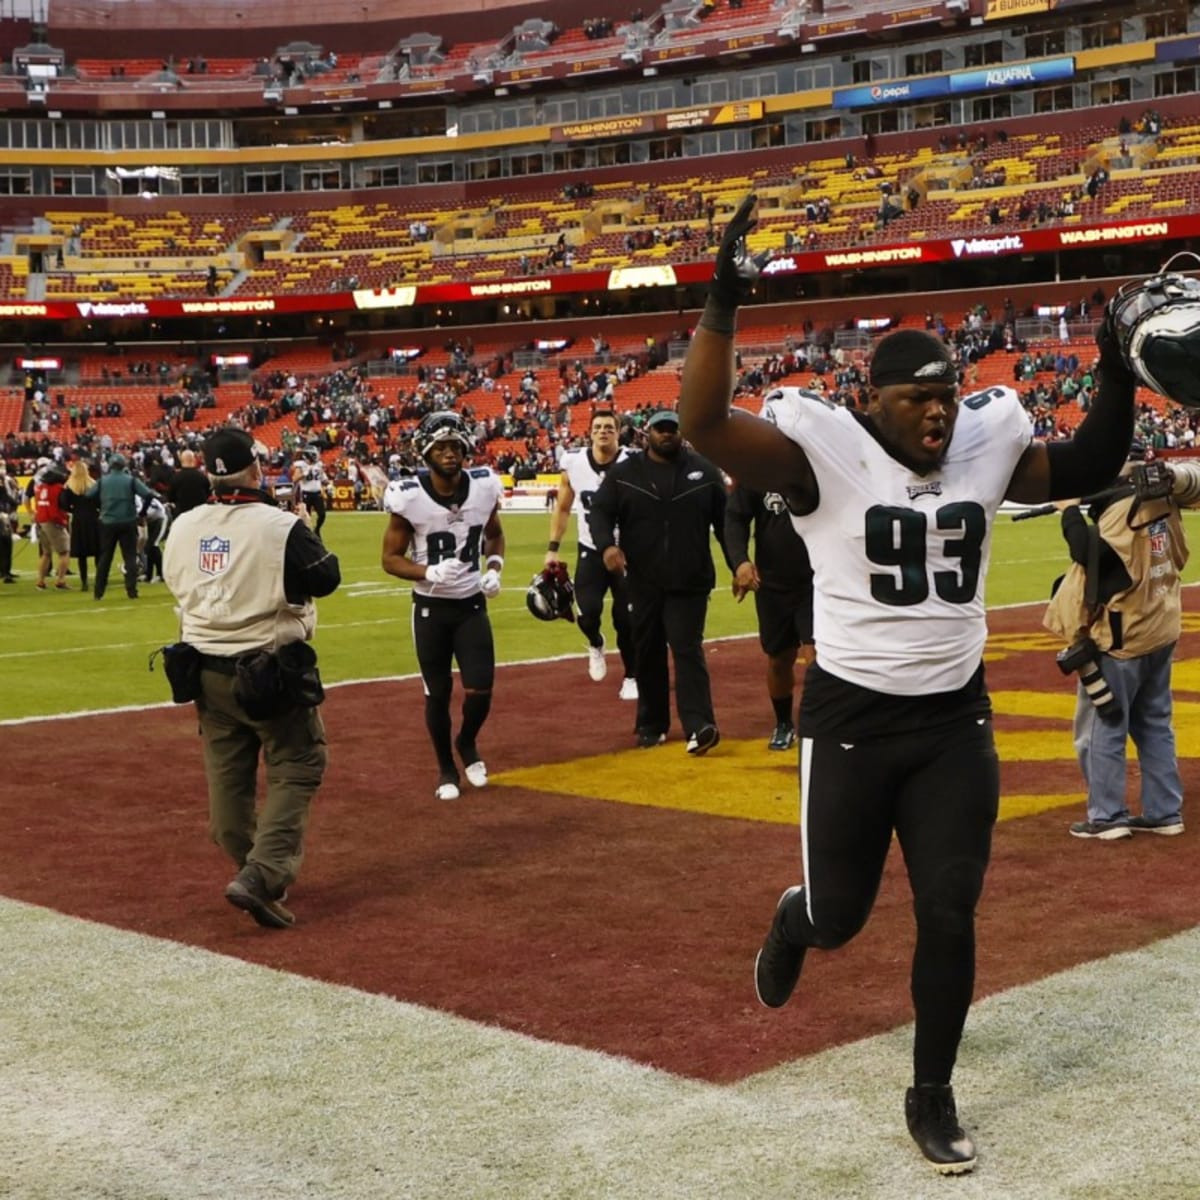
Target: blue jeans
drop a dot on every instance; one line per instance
(1142, 687)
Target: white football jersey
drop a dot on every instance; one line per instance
(312, 477)
(585, 479)
(899, 559)
(442, 529)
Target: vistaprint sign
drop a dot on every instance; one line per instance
(128, 308)
(975, 247)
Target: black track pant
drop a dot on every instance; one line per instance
(940, 792)
(676, 620)
(592, 580)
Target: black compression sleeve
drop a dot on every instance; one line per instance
(1093, 457)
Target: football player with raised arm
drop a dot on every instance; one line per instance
(441, 521)
(896, 506)
(583, 472)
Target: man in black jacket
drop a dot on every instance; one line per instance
(664, 503)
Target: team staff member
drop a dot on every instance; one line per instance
(120, 496)
(583, 471)
(896, 506)
(245, 575)
(440, 521)
(664, 502)
(781, 578)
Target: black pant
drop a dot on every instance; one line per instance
(446, 632)
(675, 619)
(112, 536)
(153, 549)
(940, 792)
(6, 555)
(592, 580)
(315, 503)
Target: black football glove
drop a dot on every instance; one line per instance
(736, 272)
(1112, 359)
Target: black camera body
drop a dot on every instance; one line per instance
(1083, 657)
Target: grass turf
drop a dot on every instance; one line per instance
(65, 652)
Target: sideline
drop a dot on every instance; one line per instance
(16, 722)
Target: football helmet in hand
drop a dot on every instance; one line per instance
(1156, 324)
(552, 594)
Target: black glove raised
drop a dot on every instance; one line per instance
(735, 272)
(1112, 358)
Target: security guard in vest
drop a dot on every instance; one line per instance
(244, 574)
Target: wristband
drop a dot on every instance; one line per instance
(495, 562)
(553, 546)
(719, 317)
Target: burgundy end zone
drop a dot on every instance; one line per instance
(623, 929)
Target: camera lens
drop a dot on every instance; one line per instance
(1097, 688)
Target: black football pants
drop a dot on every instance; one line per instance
(940, 792)
(592, 580)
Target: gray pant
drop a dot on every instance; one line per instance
(293, 750)
(1142, 687)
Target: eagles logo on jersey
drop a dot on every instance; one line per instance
(883, 536)
(446, 529)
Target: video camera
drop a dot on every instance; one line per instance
(1084, 657)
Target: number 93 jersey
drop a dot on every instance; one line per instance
(446, 527)
(899, 558)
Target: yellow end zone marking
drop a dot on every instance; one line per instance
(745, 780)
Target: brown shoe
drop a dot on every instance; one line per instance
(248, 892)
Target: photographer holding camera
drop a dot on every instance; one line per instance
(1119, 608)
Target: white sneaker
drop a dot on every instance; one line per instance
(446, 791)
(628, 688)
(476, 774)
(597, 663)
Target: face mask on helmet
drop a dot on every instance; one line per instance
(1157, 325)
(551, 595)
(441, 427)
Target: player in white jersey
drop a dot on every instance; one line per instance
(896, 506)
(311, 481)
(441, 522)
(583, 472)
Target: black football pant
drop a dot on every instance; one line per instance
(592, 580)
(315, 503)
(676, 620)
(446, 632)
(939, 791)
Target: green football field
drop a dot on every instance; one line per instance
(65, 652)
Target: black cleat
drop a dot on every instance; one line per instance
(784, 737)
(777, 967)
(703, 740)
(933, 1123)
